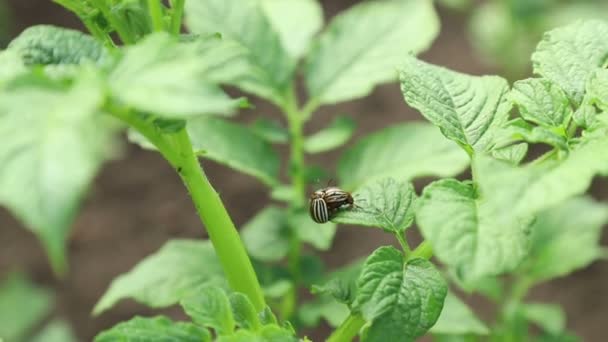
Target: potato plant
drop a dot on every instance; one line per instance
(518, 221)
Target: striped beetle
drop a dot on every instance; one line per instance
(327, 201)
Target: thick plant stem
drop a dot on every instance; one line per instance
(424, 250)
(222, 232)
(156, 13)
(403, 242)
(123, 32)
(177, 6)
(349, 328)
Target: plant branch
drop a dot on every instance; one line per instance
(424, 250)
(403, 242)
(156, 14)
(123, 32)
(177, 7)
(349, 328)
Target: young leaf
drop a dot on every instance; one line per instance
(296, 22)
(46, 44)
(321, 236)
(209, 307)
(244, 21)
(542, 102)
(149, 329)
(549, 317)
(56, 331)
(334, 135)
(341, 68)
(520, 130)
(266, 236)
(513, 154)
(563, 230)
(54, 143)
(386, 204)
(467, 109)
(268, 333)
(22, 305)
(401, 299)
(597, 89)
(457, 319)
(570, 55)
(235, 146)
(270, 130)
(164, 278)
(160, 75)
(243, 312)
(464, 232)
(404, 152)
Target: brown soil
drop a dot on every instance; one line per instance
(137, 203)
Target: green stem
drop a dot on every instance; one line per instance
(177, 7)
(98, 33)
(349, 328)
(156, 14)
(403, 242)
(424, 250)
(123, 32)
(177, 149)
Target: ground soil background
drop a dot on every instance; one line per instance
(137, 203)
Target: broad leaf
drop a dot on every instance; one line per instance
(270, 130)
(235, 146)
(22, 306)
(266, 236)
(570, 55)
(209, 307)
(542, 102)
(597, 89)
(46, 44)
(550, 317)
(244, 21)
(513, 154)
(296, 22)
(160, 75)
(564, 230)
(465, 234)
(341, 68)
(518, 130)
(585, 116)
(164, 278)
(457, 319)
(401, 300)
(11, 66)
(467, 109)
(321, 236)
(386, 204)
(404, 152)
(54, 143)
(268, 333)
(243, 312)
(151, 329)
(334, 135)
(56, 331)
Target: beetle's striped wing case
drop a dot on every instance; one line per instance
(318, 210)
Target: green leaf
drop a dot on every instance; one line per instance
(334, 135)
(520, 130)
(513, 154)
(386, 204)
(165, 277)
(549, 317)
(270, 130)
(572, 228)
(341, 68)
(54, 143)
(570, 55)
(46, 44)
(296, 22)
(404, 152)
(464, 232)
(597, 89)
(160, 75)
(243, 312)
(320, 236)
(56, 331)
(585, 116)
(11, 66)
(271, 68)
(401, 300)
(23, 305)
(268, 333)
(542, 102)
(467, 109)
(210, 307)
(457, 319)
(234, 146)
(152, 329)
(326, 308)
(266, 236)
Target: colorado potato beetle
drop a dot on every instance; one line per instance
(324, 203)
